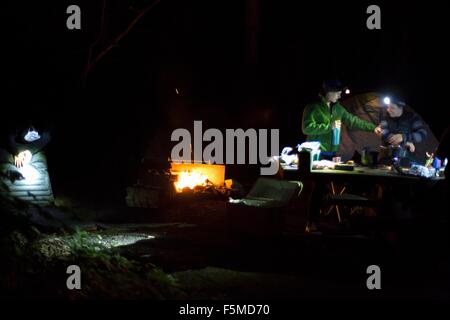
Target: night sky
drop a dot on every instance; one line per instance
(234, 63)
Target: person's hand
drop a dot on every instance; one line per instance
(18, 161)
(410, 146)
(22, 158)
(337, 124)
(377, 131)
(395, 139)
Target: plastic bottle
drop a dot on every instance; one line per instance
(437, 165)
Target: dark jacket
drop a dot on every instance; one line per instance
(409, 125)
(17, 144)
(412, 129)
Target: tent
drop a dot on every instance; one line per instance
(370, 107)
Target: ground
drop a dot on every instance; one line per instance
(191, 249)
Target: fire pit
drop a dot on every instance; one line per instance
(183, 181)
(197, 176)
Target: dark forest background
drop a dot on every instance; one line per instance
(231, 64)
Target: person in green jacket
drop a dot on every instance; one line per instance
(321, 117)
(319, 121)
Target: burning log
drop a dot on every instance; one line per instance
(191, 179)
(200, 178)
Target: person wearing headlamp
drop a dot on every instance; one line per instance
(22, 145)
(401, 131)
(322, 120)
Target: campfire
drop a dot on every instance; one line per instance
(198, 177)
(190, 179)
(155, 188)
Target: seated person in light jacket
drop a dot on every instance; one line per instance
(22, 145)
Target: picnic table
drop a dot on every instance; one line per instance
(385, 186)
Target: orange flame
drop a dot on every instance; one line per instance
(190, 179)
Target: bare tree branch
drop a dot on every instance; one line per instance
(91, 47)
(91, 62)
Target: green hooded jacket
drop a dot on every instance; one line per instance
(318, 119)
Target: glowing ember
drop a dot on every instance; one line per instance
(190, 179)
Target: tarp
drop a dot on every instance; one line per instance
(370, 107)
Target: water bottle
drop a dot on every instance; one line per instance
(336, 136)
(437, 165)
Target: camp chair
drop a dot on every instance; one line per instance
(263, 210)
